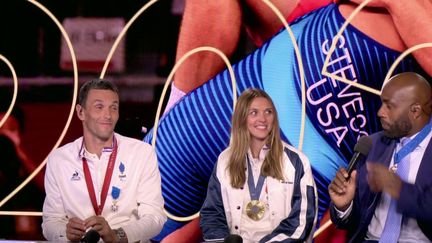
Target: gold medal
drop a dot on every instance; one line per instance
(393, 168)
(255, 210)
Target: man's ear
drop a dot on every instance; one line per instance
(416, 109)
(80, 112)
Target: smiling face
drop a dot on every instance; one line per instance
(99, 114)
(260, 120)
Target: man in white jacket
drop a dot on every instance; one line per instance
(102, 181)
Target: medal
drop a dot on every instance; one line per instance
(408, 145)
(89, 182)
(115, 194)
(394, 168)
(255, 210)
(114, 206)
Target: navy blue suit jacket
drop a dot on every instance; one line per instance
(414, 201)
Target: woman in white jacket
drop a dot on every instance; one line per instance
(261, 189)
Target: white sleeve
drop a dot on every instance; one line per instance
(344, 214)
(53, 213)
(150, 201)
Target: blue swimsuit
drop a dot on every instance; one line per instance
(193, 133)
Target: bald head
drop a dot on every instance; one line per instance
(412, 88)
(414, 84)
(406, 104)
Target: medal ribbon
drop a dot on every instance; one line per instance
(254, 191)
(411, 145)
(107, 180)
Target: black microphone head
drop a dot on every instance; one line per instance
(92, 236)
(363, 145)
(233, 239)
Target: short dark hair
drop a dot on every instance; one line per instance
(94, 84)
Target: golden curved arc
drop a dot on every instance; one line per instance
(301, 69)
(162, 97)
(75, 70)
(15, 91)
(402, 56)
(181, 219)
(20, 213)
(324, 71)
(122, 33)
(322, 228)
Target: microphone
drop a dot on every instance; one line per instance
(361, 150)
(233, 239)
(92, 236)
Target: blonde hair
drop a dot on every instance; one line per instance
(240, 141)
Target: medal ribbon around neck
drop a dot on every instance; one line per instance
(255, 208)
(411, 145)
(254, 191)
(107, 180)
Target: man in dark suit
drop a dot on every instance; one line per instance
(388, 197)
